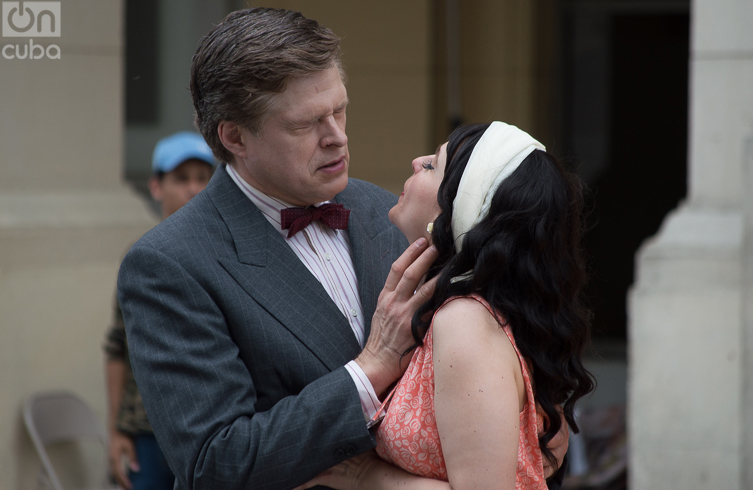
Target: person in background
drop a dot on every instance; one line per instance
(182, 165)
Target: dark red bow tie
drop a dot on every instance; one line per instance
(331, 215)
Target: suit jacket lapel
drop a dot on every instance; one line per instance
(269, 271)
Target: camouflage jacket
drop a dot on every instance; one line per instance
(132, 418)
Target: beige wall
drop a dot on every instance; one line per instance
(386, 50)
(498, 62)
(503, 58)
(65, 219)
(395, 55)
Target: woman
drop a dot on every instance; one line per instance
(504, 329)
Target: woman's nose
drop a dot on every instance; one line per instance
(417, 164)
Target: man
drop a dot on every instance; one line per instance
(244, 340)
(263, 343)
(182, 165)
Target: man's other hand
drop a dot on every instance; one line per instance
(559, 445)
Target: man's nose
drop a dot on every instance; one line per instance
(334, 134)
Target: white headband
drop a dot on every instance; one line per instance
(498, 153)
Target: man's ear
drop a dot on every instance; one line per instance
(155, 188)
(232, 138)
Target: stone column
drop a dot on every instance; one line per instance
(690, 325)
(66, 217)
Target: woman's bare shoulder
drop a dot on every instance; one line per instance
(468, 337)
(465, 311)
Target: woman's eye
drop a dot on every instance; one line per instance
(428, 165)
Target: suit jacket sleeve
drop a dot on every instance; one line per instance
(200, 396)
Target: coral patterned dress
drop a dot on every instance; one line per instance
(408, 435)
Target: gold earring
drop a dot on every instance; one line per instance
(429, 227)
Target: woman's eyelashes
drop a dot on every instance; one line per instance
(428, 164)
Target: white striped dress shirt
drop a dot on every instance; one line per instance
(327, 255)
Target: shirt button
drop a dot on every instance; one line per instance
(353, 312)
(327, 257)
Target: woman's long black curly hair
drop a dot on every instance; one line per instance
(526, 261)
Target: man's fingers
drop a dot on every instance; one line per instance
(415, 272)
(401, 264)
(561, 436)
(559, 445)
(560, 442)
(424, 293)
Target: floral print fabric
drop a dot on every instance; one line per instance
(408, 435)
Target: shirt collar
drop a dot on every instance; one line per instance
(269, 206)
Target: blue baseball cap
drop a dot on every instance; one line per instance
(172, 151)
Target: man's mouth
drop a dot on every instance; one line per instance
(334, 166)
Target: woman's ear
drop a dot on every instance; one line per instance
(232, 138)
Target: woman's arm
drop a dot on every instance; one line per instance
(479, 392)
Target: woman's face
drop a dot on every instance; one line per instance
(418, 204)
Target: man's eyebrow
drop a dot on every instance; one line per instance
(338, 108)
(343, 104)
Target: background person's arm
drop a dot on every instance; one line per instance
(120, 444)
(121, 450)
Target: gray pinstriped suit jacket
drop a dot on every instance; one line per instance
(237, 349)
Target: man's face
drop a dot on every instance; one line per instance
(177, 187)
(301, 155)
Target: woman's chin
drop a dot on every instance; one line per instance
(392, 214)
